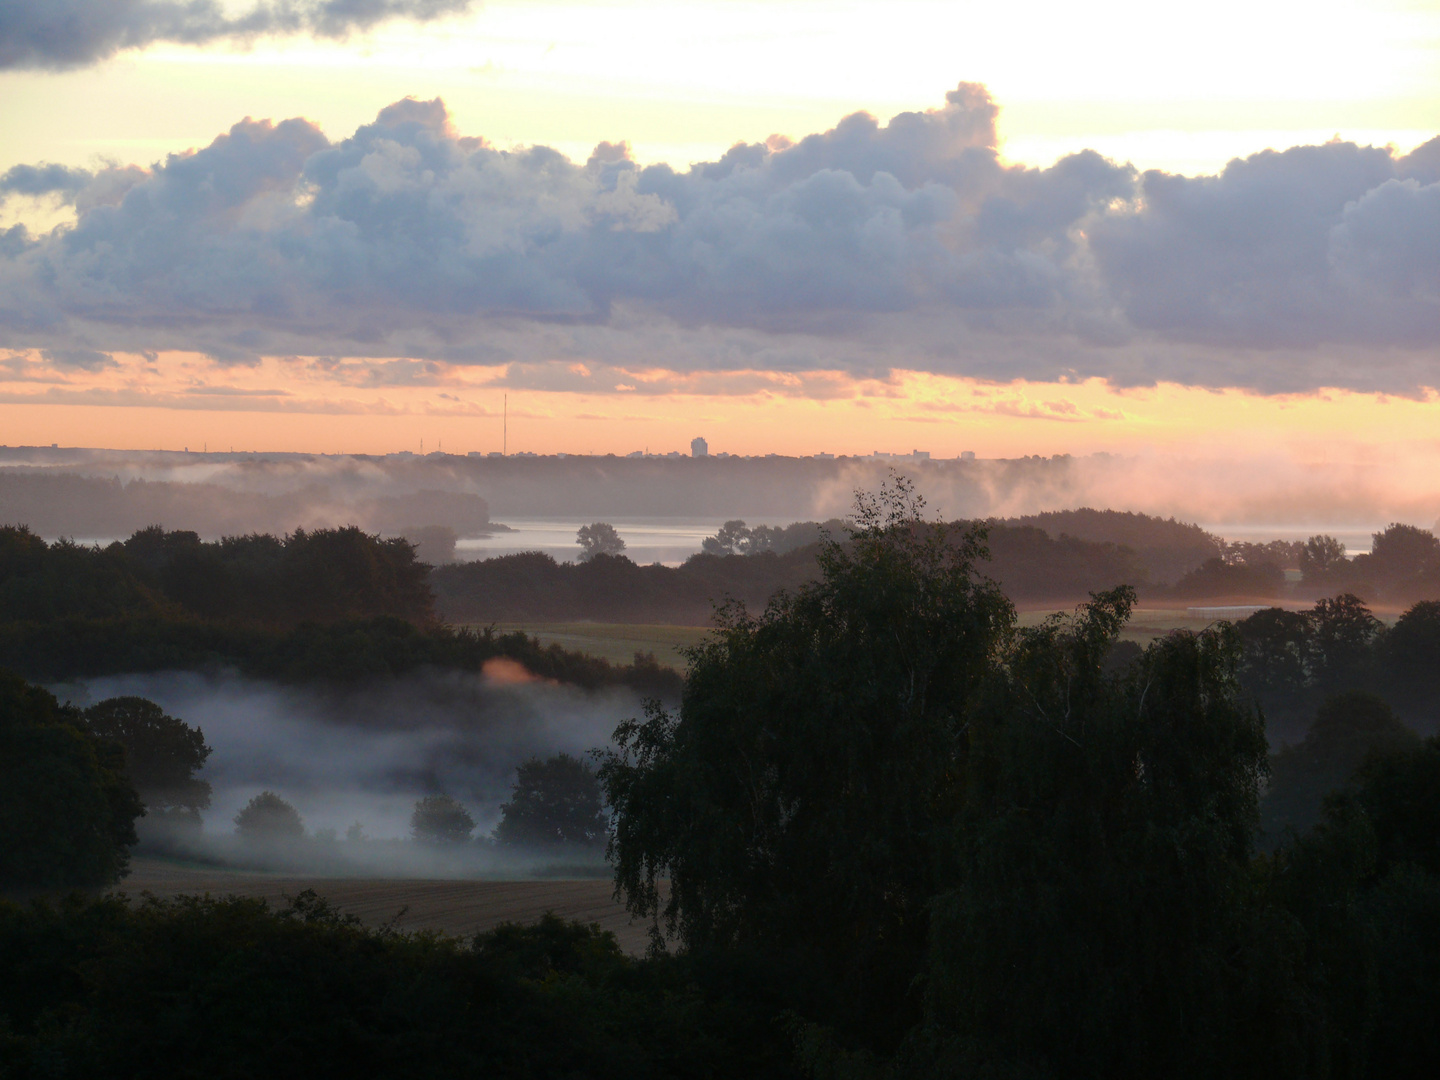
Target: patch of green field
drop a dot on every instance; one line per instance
(616, 642)
(619, 642)
(1145, 625)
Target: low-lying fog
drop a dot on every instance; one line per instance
(367, 753)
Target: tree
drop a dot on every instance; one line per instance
(729, 539)
(439, 819)
(1343, 633)
(1096, 924)
(1402, 553)
(269, 817)
(1348, 728)
(1216, 577)
(555, 801)
(1400, 791)
(1277, 655)
(598, 539)
(162, 754)
(798, 802)
(1321, 557)
(67, 810)
(1410, 658)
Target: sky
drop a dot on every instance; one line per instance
(791, 227)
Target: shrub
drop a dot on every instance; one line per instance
(439, 819)
(269, 817)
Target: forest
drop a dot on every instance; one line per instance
(336, 604)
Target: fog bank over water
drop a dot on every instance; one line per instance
(666, 505)
(368, 752)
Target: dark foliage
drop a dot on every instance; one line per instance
(226, 988)
(1166, 549)
(1349, 728)
(1095, 926)
(610, 588)
(555, 801)
(328, 575)
(269, 817)
(1403, 566)
(798, 801)
(1025, 561)
(599, 538)
(737, 538)
(67, 810)
(439, 819)
(1216, 578)
(963, 850)
(1293, 660)
(1409, 656)
(375, 649)
(162, 754)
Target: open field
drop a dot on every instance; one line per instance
(453, 907)
(1145, 625)
(616, 642)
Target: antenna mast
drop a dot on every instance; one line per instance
(505, 430)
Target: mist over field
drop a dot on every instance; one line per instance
(367, 753)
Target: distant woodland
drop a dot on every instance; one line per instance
(1056, 558)
(326, 604)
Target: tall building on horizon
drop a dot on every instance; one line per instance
(699, 447)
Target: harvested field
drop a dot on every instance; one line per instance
(454, 907)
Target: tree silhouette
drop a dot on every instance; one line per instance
(598, 539)
(439, 819)
(162, 754)
(1321, 556)
(67, 810)
(269, 817)
(555, 801)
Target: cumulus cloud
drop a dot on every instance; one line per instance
(1309, 246)
(58, 34)
(46, 179)
(863, 248)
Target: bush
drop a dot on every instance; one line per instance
(269, 817)
(439, 819)
(228, 988)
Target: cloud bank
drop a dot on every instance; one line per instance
(59, 34)
(864, 248)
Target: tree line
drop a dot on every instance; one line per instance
(335, 604)
(1034, 560)
(1293, 660)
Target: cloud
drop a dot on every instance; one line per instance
(81, 358)
(861, 249)
(59, 34)
(1305, 247)
(37, 180)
